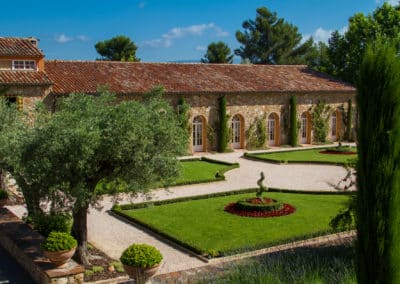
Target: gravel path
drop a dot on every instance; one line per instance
(112, 235)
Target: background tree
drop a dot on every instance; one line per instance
(345, 52)
(271, 40)
(119, 48)
(378, 170)
(218, 52)
(92, 139)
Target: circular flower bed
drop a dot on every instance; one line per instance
(258, 204)
(234, 208)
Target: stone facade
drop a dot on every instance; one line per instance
(250, 106)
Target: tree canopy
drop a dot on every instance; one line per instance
(218, 52)
(271, 40)
(91, 139)
(378, 167)
(344, 51)
(118, 48)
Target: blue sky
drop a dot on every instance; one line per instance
(164, 30)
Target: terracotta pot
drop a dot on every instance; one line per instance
(140, 274)
(59, 258)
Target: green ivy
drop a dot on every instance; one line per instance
(256, 134)
(223, 126)
(293, 122)
(320, 120)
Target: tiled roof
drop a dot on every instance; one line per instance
(18, 47)
(31, 78)
(133, 78)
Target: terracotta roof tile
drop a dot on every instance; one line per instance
(132, 78)
(32, 78)
(18, 47)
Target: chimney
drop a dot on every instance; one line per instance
(34, 41)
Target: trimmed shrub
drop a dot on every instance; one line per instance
(223, 126)
(59, 241)
(141, 255)
(349, 121)
(293, 122)
(46, 223)
(268, 204)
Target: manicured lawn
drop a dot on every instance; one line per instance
(204, 226)
(306, 156)
(191, 171)
(196, 171)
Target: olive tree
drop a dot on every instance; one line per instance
(92, 138)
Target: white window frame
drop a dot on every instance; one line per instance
(24, 65)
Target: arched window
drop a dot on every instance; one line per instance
(237, 131)
(197, 134)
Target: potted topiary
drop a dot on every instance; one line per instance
(3, 197)
(141, 261)
(59, 247)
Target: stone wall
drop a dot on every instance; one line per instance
(250, 106)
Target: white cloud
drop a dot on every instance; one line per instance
(322, 34)
(201, 48)
(166, 40)
(62, 38)
(82, 38)
(391, 2)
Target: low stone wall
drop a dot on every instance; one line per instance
(23, 243)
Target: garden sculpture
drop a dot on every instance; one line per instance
(261, 187)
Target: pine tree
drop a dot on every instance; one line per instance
(378, 170)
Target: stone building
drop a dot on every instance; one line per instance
(253, 92)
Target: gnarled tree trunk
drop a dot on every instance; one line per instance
(79, 232)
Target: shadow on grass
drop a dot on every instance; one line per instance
(328, 264)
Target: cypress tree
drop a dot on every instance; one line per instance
(378, 169)
(223, 126)
(293, 122)
(349, 121)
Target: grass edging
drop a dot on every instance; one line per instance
(220, 176)
(255, 157)
(118, 210)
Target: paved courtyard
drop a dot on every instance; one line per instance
(112, 235)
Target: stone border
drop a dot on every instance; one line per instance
(23, 243)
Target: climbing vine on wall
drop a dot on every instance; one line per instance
(256, 134)
(182, 112)
(320, 121)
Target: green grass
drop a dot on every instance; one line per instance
(191, 172)
(334, 264)
(205, 227)
(305, 156)
(196, 171)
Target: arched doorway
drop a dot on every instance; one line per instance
(273, 129)
(237, 131)
(198, 130)
(305, 128)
